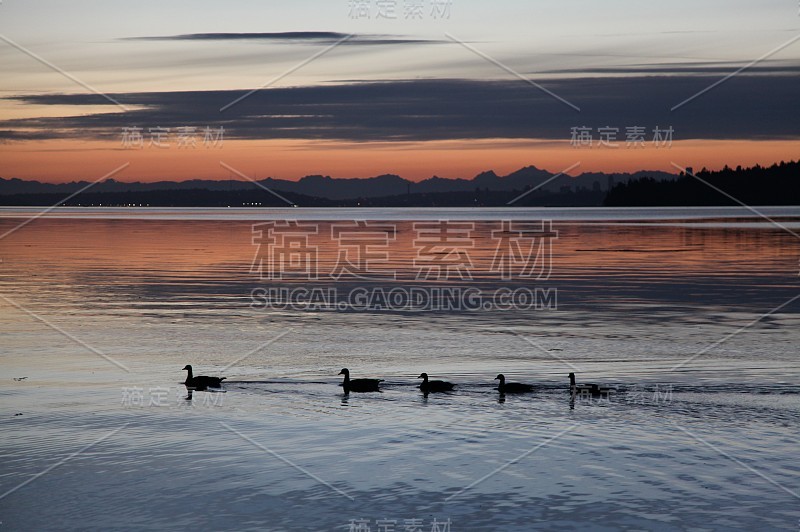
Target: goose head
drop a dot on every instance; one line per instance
(423, 376)
(501, 378)
(187, 367)
(345, 372)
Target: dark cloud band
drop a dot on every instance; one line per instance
(760, 106)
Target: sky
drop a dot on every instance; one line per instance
(410, 87)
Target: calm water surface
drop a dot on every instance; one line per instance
(689, 313)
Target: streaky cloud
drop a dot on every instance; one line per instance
(310, 37)
(717, 68)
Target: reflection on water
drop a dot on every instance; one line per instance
(145, 264)
(634, 301)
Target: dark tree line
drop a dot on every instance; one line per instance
(778, 184)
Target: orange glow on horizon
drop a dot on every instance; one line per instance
(69, 160)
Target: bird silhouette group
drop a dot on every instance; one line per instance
(427, 386)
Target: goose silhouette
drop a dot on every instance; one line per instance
(434, 386)
(201, 382)
(512, 387)
(359, 385)
(588, 389)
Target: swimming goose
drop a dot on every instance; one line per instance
(434, 386)
(588, 389)
(512, 387)
(358, 385)
(201, 382)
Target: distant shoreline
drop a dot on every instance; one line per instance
(774, 185)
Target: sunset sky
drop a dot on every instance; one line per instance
(452, 89)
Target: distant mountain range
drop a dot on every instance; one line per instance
(354, 188)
